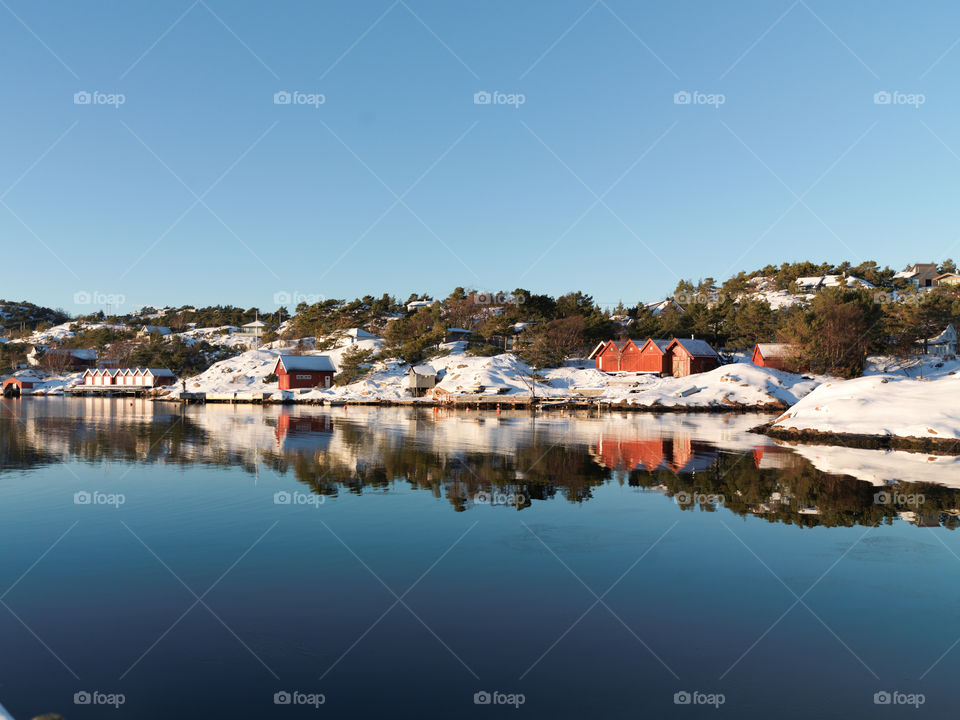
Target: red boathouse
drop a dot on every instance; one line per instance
(304, 371)
(689, 357)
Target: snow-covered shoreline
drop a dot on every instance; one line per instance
(464, 378)
(878, 411)
(505, 378)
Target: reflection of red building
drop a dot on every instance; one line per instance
(767, 457)
(682, 454)
(679, 453)
(303, 430)
(619, 454)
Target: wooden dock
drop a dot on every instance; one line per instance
(108, 391)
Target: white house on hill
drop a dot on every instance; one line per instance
(944, 344)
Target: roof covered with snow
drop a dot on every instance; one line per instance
(776, 350)
(306, 363)
(697, 348)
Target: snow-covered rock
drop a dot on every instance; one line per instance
(880, 405)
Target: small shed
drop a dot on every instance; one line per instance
(654, 357)
(152, 377)
(420, 379)
(457, 334)
(779, 356)
(304, 371)
(689, 357)
(148, 330)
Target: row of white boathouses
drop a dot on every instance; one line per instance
(128, 377)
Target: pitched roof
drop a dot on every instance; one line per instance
(600, 346)
(696, 348)
(947, 337)
(25, 379)
(159, 372)
(776, 350)
(306, 363)
(426, 370)
(661, 345)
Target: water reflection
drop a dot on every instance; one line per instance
(703, 462)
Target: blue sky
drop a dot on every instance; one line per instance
(199, 189)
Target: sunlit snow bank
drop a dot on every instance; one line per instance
(884, 406)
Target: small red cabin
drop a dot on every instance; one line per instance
(303, 371)
(689, 357)
(779, 356)
(654, 357)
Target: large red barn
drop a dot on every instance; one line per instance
(689, 357)
(303, 371)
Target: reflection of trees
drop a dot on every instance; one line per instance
(16, 451)
(799, 494)
(337, 455)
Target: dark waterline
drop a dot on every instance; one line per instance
(230, 553)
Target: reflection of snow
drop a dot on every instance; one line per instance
(882, 466)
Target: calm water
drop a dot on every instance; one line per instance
(400, 562)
